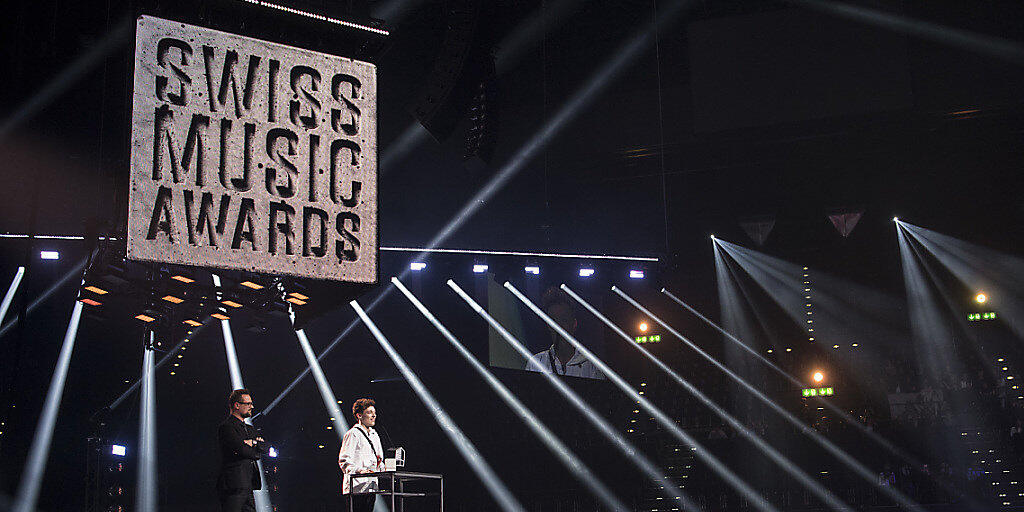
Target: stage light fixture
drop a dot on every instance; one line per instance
(250, 284)
(643, 326)
(636, 274)
(586, 272)
(818, 377)
(172, 299)
(192, 323)
(296, 301)
(272, 452)
(186, 280)
(49, 255)
(896, 220)
(981, 298)
(712, 237)
(118, 450)
(416, 266)
(95, 289)
(90, 302)
(220, 316)
(788, 349)
(479, 269)
(532, 270)
(855, 345)
(229, 303)
(144, 317)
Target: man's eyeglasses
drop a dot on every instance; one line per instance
(244, 403)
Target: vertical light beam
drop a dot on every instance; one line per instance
(562, 452)
(845, 458)
(730, 478)
(823, 494)
(501, 494)
(32, 476)
(146, 488)
(628, 450)
(262, 497)
(9, 297)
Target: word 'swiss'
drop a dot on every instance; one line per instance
(252, 155)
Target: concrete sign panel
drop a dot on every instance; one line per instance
(252, 155)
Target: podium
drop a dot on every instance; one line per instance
(397, 490)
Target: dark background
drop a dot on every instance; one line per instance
(742, 108)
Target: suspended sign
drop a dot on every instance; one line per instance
(252, 155)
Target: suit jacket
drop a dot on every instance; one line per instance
(238, 470)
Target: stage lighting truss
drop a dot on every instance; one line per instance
(319, 17)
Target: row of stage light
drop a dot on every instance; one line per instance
(479, 268)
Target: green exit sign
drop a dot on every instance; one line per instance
(818, 392)
(978, 317)
(653, 338)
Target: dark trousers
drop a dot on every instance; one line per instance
(359, 502)
(238, 502)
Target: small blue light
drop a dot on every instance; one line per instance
(49, 255)
(636, 274)
(416, 266)
(272, 452)
(118, 450)
(479, 269)
(586, 272)
(532, 270)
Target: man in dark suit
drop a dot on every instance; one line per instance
(240, 448)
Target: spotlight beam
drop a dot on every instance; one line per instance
(570, 460)
(326, 393)
(733, 339)
(732, 479)
(73, 272)
(67, 77)
(9, 297)
(628, 450)
(32, 477)
(501, 494)
(262, 497)
(146, 486)
(167, 357)
(788, 466)
(850, 462)
(772, 276)
(580, 99)
(995, 47)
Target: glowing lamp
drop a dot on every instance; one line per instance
(118, 450)
(479, 269)
(643, 326)
(981, 298)
(818, 377)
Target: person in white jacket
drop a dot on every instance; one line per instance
(361, 452)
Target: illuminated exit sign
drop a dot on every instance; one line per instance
(653, 338)
(818, 392)
(978, 317)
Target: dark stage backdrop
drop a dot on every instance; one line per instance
(789, 66)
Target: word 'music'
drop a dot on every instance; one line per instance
(253, 147)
